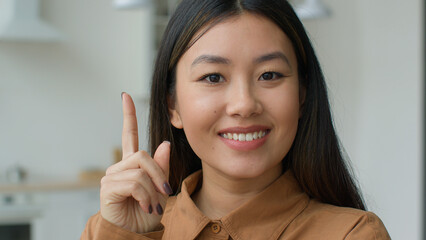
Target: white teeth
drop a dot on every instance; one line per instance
(244, 137)
(235, 136)
(249, 137)
(241, 137)
(255, 135)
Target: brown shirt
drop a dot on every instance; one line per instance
(281, 211)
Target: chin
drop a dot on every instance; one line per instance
(246, 171)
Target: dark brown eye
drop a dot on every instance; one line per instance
(267, 76)
(214, 78)
(270, 76)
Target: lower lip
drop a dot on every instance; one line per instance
(244, 145)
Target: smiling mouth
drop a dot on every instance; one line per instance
(245, 137)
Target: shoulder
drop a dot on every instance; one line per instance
(331, 222)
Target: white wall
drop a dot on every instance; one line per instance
(371, 52)
(60, 107)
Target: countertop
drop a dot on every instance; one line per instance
(43, 186)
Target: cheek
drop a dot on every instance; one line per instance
(283, 104)
(199, 113)
(199, 119)
(283, 107)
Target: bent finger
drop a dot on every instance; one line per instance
(131, 162)
(116, 192)
(135, 175)
(162, 157)
(142, 160)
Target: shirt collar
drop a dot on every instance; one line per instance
(186, 212)
(264, 217)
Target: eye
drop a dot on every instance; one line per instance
(267, 76)
(213, 78)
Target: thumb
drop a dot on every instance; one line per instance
(162, 157)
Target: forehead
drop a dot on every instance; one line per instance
(243, 36)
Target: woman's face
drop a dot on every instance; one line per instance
(237, 97)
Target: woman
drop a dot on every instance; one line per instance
(239, 93)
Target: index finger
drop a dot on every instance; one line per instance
(129, 137)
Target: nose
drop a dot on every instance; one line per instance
(242, 100)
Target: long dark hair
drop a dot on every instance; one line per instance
(315, 156)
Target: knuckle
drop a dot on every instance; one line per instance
(104, 189)
(140, 174)
(131, 131)
(104, 180)
(110, 170)
(143, 154)
(138, 155)
(141, 196)
(134, 186)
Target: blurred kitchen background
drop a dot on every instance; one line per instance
(61, 77)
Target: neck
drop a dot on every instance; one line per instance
(220, 194)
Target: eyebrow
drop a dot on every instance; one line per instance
(210, 59)
(222, 60)
(272, 56)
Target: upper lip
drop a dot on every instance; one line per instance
(249, 129)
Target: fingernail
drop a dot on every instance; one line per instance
(159, 209)
(165, 141)
(150, 209)
(167, 188)
(122, 95)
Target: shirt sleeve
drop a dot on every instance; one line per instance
(97, 228)
(369, 227)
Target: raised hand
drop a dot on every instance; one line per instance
(134, 191)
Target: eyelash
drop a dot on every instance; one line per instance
(276, 75)
(204, 78)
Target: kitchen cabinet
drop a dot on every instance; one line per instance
(50, 211)
(65, 215)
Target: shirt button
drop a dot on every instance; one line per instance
(215, 228)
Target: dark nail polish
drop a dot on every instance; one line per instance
(167, 188)
(150, 209)
(159, 209)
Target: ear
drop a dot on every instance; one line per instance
(175, 119)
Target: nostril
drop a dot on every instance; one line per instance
(242, 100)
(244, 108)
